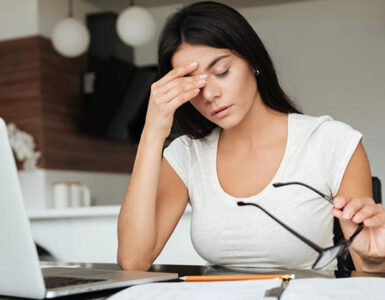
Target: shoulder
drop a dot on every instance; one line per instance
(190, 146)
(322, 127)
(313, 122)
(184, 153)
(180, 142)
(332, 144)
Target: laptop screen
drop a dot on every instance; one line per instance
(20, 273)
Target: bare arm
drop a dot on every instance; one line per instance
(156, 197)
(356, 183)
(355, 205)
(155, 200)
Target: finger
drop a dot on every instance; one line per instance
(366, 212)
(353, 207)
(337, 213)
(180, 89)
(340, 201)
(174, 83)
(376, 220)
(183, 98)
(187, 83)
(178, 72)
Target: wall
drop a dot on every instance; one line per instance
(18, 18)
(21, 18)
(330, 56)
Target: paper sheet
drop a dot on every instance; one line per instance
(223, 290)
(355, 288)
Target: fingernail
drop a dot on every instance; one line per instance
(346, 215)
(201, 82)
(203, 76)
(193, 64)
(338, 202)
(357, 218)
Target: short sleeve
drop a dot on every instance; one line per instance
(177, 155)
(334, 146)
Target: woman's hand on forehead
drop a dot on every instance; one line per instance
(182, 71)
(169, 93)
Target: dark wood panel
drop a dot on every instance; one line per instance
(19, 52)
(18, 74)
(19, 91)
(88, 158)
(19, 87)
(40, 91)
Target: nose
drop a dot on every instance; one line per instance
(211, 91)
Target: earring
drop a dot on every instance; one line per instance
(257, 72)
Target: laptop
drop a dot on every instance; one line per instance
(20, 272)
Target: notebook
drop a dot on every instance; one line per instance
(297, 289)
(354, 288)
(20, 272)
(223, 290)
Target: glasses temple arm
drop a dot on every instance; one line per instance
(326, 197)
(358, 230)
(302, 238)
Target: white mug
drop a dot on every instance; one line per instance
(61, 195)
(79, 194)
(86, 196)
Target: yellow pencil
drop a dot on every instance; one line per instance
(235, 277)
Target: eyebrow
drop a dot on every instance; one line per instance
(210, 65)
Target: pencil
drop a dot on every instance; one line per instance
(235, 277)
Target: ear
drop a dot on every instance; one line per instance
(255, 71)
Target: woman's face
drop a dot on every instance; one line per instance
(231, 88)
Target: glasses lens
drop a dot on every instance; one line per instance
(328, 256)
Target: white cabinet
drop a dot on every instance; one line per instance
(89, 234)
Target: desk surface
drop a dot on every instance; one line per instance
(183, 270)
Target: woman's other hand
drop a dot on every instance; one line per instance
(369, 244)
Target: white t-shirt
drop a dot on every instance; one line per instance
(317, 153)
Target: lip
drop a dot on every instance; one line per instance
(221, 111)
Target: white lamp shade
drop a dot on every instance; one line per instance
(135, 26)
(70, 37)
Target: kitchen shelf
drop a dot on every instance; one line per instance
(79, 212)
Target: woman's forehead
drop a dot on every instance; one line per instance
(202, 54)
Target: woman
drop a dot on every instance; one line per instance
(241, 133)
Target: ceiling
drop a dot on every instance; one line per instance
(119, 5)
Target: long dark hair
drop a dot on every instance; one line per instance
(219, 26)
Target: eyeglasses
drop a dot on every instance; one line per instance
(325, 255)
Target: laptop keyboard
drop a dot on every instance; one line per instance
(57, 281)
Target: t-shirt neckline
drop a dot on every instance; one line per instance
(269, 186)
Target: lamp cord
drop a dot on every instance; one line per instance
(70, 8)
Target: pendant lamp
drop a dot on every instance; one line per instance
(70, 37)
(135, 26)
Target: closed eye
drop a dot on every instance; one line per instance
(223, 74)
